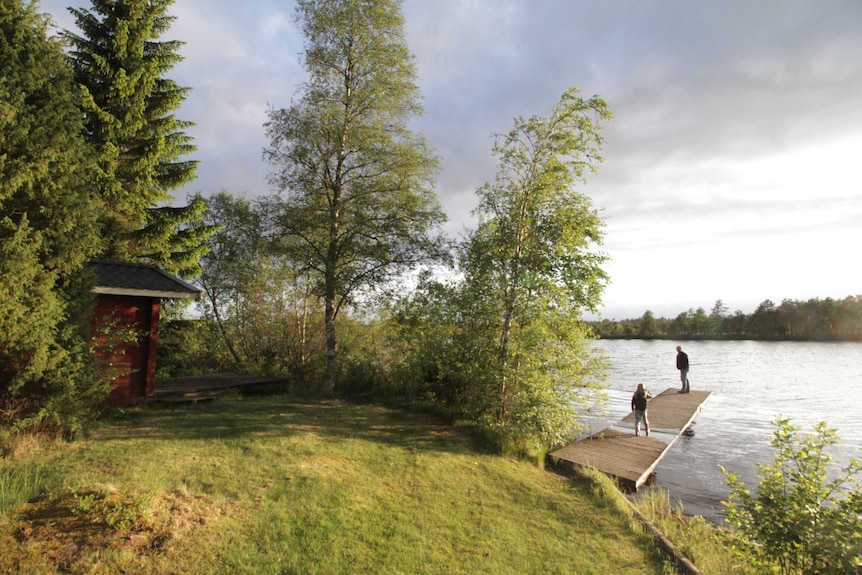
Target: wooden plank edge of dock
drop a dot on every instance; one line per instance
(695, 414)
(218, 385)
(629, 484)
(644, 478)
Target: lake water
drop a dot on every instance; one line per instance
(751, 382)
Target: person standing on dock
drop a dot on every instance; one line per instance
(639, 405)
(682, 366)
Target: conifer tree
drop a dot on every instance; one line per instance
(129, 118)
(48, 230)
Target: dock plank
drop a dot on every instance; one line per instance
(206, 387)
(618, 452)
(671, 409)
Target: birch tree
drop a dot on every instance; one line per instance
(357, 201)
(534, 262)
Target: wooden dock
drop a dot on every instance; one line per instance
(618, 452)
(193, 389)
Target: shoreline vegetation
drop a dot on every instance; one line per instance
(281, 484)
(791, 320)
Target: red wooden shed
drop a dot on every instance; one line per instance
(129, 296)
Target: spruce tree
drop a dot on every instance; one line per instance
(48, 230)
(129, 118)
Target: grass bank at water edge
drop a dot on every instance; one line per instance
(283, 485)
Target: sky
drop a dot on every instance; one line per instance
(731, 166)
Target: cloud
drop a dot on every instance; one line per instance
(729, 164)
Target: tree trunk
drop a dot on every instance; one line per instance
(330, 309)
(331, 347)
(330, 293)
(223, 330)
(511, 296)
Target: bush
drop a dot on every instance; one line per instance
(191, 347)
(801, 518)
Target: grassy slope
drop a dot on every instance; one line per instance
(281, 485)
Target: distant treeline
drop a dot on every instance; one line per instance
(813, 320)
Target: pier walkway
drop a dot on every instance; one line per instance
(618, 452)
(192, 389)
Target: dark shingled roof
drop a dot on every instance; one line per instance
(121, 278)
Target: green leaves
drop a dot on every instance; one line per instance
(803, 517)
(502, 341)
(535, 218)
(357, 206)
(534, 255)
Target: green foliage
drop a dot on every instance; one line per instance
(802, 517)
(45, 191)
(120, 510)
(48, 212)
(29, 307)
(358, 204)
(531, 269)
(175, 237)
(717, 318)
(230, 265)
(129, 119)
(504, 345)
(262, 311)
(367, 361)
(647, 325)
(20, 483)
(192, 347)
(434, 354)
(706, 544)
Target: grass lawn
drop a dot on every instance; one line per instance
(284, 485)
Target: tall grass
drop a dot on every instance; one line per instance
(20, 482)
(702, 541)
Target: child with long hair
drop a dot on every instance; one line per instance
(639, 406)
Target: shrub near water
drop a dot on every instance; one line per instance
(275, 485)
(802, 517)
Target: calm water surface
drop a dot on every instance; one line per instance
(751, 382)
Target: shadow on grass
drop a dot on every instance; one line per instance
(281, 416)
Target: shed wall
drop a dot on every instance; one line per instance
(126, 329)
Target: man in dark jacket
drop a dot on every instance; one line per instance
(682, 366)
